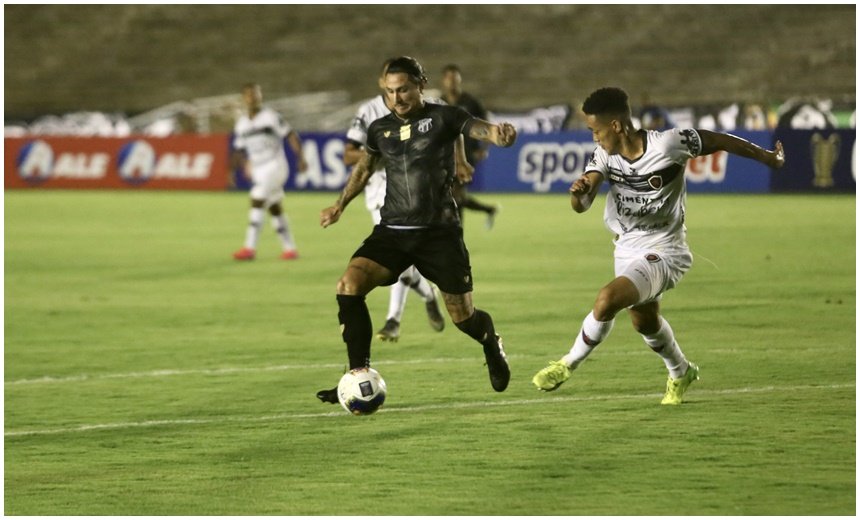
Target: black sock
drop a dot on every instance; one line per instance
(356, 328)
(479, 327)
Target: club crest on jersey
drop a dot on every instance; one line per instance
(425, 125)
(651, 257)
(655, 181)
(387, 133)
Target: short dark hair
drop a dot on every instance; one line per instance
(451, 67)
(607, 100)
(409, 66)
(250, 85)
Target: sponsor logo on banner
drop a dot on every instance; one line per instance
(707, 168)
(542, 164)
(37, 163)
(324, 157)
(181, 162)
(138, 162)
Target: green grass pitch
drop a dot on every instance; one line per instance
(146, 372)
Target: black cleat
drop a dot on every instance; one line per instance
(328, 396)
(497, 365)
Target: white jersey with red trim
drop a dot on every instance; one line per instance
(645, 206)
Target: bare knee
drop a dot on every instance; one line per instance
(346, 286)
(605, 306)
(619, 294)
(459, 306)
(351, 283)
(361, 276)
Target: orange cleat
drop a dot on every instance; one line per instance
(244, 254)
(292, 254)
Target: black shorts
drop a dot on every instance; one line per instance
(439, 254)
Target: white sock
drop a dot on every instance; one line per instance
(590, 335)
(397, 301)
(664, 344)
(418, 284)
(282, 228)
(255, 220)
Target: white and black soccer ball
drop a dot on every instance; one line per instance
(361, 391)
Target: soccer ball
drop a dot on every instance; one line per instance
(361, 391)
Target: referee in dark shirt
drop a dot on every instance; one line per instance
(420, 224)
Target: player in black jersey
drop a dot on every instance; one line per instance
(420, 223)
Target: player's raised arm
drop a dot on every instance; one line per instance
(503, 134)
(584, 190)
(715, 141)
(356, 183)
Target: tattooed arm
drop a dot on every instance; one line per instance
(500, 135)
(356, 183)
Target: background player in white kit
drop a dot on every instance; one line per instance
(374, 197)
(259, 139)
(645, 209)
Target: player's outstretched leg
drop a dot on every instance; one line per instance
(357, 332)
(479, 326)
(592, 333)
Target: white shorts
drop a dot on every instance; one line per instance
(268, 179)
(652, 272)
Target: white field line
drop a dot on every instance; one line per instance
(223, 371)
(412, 409)
(217, 371)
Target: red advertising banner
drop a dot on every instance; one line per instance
(180, 162)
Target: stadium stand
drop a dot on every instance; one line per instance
(130, 59)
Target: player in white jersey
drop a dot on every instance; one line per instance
(645, 210)
(374, 197)
(259, 142)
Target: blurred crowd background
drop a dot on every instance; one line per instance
(115, 70)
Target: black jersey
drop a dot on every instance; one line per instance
(419, 164)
